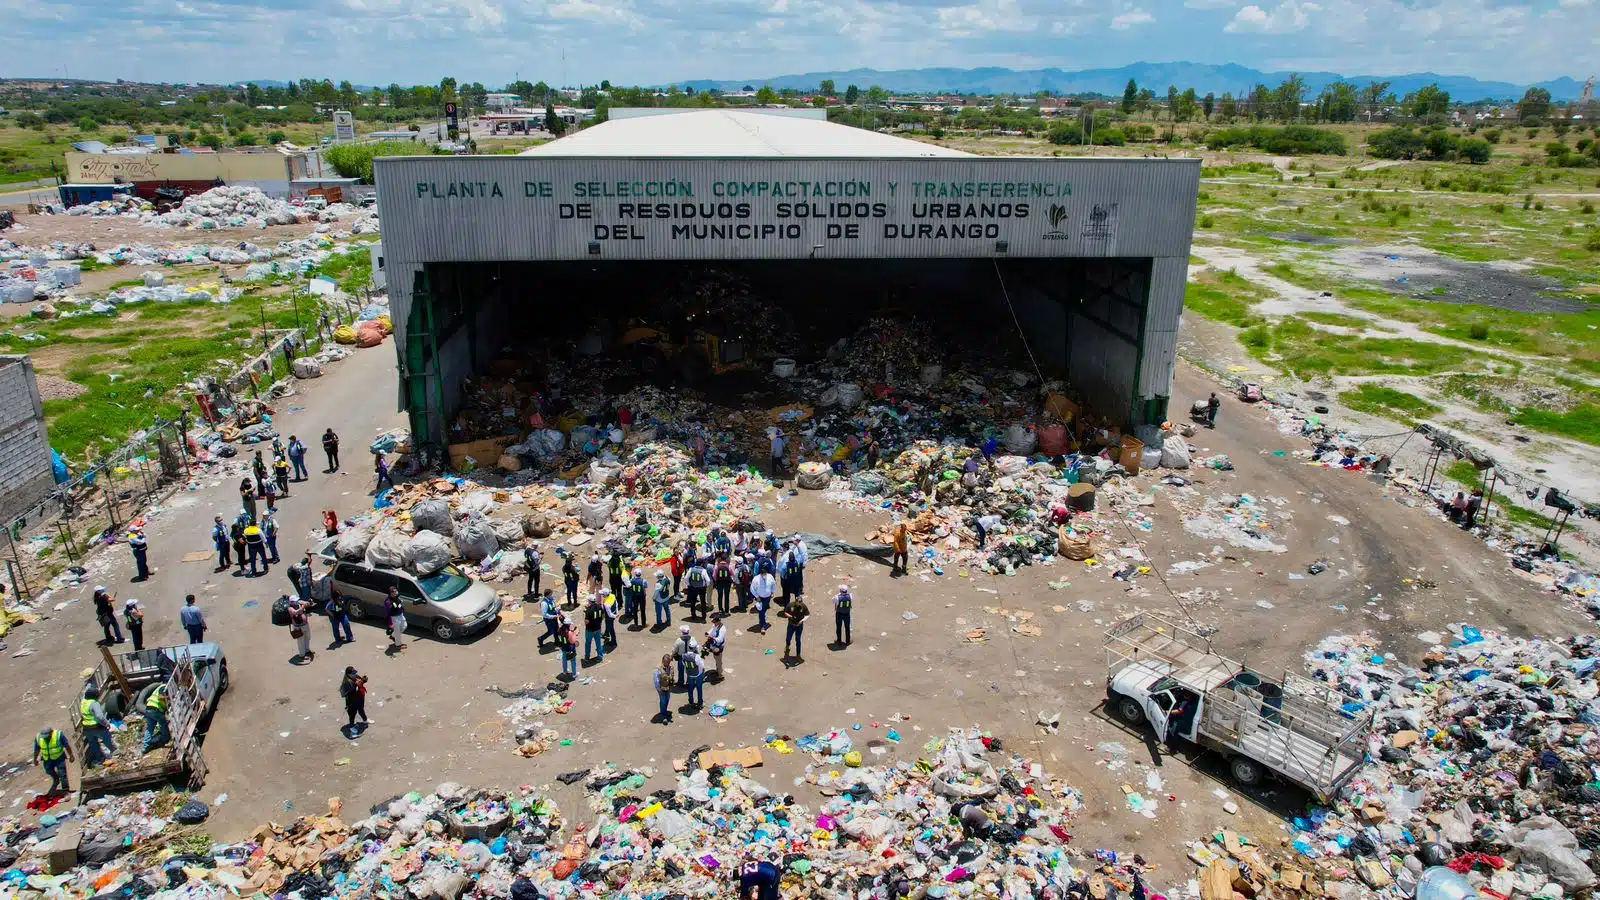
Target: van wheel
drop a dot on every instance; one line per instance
(222, 679)
(444, 629)
(1127, 710)
(1245, 771)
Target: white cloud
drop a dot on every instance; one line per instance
(1131, 18)
(1286, 17)
(1209, 4)
(1574, 4)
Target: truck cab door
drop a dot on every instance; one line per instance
(1158, 711)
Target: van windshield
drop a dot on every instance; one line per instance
(446, 584)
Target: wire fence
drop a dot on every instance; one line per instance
(95, 505)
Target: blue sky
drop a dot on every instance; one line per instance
(657, 41)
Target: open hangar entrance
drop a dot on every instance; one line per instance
(1083, 321)
(1074, 267)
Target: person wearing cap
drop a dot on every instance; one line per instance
(594, 623)
(53, 751)
(256, 543)
(156, 731)
(106, 614)
(762, 587)
(681, 648)
(194, 621)
(92, 718)
(133, 614)
(716, 641)
(663, 600)
(141, 553)
(842, 602)
(662, 679)
(634, 594)
(280, 474)
(694, 671)
(297, 458)
(779, 447)
(220, 540)
(330, 447)
(743, 574)
(269, 534)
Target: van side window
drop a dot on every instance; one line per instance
(356, 576)
(408, 589)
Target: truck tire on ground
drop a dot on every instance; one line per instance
(444, 629)
(1245, 771)
(1125, 709)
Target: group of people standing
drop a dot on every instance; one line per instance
(735, 571)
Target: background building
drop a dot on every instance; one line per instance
(25, 462)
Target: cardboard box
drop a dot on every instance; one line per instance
(486, 452)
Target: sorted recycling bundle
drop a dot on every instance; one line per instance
(1481, 760)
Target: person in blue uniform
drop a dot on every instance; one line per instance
(758, 880)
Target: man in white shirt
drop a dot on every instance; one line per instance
(762, 588)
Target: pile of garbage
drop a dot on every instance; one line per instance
(435, 846)
(1481, 761)
(127, 205)
(969, 818)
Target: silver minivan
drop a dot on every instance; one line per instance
(448, 603)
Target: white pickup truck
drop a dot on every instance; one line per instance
(1168, 676)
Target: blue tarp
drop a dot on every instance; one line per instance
(58, 467)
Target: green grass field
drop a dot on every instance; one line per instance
(1389, 402)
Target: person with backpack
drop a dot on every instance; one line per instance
(694, 671)
(663, 600)
(722, 581)
(697, 581)
(743, 574)
(353, 688)
(635, 596)
(842, 603)
(569, 577)
(550, 614)
(569, 647)
(594, 623)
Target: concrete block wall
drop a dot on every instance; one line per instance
(25, 475)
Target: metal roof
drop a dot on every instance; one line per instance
(733, 133)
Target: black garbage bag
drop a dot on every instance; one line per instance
(523, 889)
(309, 885)
(192, 813)
(280, 611)
(1432, 854)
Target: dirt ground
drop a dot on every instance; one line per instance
(276, 750)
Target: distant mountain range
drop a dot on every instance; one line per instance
(1155, 76)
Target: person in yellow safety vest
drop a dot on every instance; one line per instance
(255, 543)
(51, 750)
(97, 746)
(156, 733)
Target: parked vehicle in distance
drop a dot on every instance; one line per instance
(447, 603)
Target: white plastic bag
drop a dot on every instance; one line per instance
(433, 515)
(352, 545)
(387, 549)
(428, 552)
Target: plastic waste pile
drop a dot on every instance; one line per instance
(968, 819)
(437, 845)
(229, 207)
(1481, 760)
(166, 293)
(126, 205)
(55, 251)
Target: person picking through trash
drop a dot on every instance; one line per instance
(52, 751)
(141, 554)
(842, 603)
(330, 446)
(106, 614)
(353, 688)
(156, 732)
(96, 725)
(220, 540)
(983, 525)
(192, 620)
(662, 679)
(758, 879)
(133, 615)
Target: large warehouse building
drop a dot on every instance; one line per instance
(1085, 257)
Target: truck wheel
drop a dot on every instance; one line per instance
(144, 696)
(444, 629)
(1245, 770)
(1127, 710)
